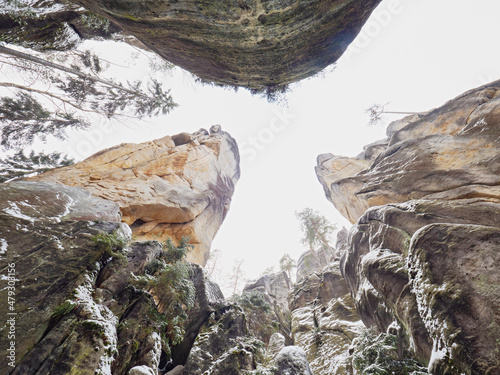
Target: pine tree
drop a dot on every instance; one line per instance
(287, 264)
(19, 165)
(376, 112)
(237, 277)
(74, 91)
(316, 228)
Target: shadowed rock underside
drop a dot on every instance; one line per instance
(250, 43)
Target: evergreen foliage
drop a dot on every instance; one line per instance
(254, 300)
(316, 228)
(273, 94)
(377, 355)
(112, 244)
(260, 316)
(74, 90)
(19, 165)
(168, 280)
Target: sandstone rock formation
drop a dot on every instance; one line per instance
(250, 43)
(224, 346)
(49, 255)
(313, 261)
(422, 257)
(324, 320)
(275, 287)
(75, 280)
(208, 297)
(449, 153)
(173, 187)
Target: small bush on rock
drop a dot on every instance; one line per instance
(168, 280)
(377, 355)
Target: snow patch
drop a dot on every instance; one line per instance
(39, 10)
(102, 316)
(3, 246)
(15, 211)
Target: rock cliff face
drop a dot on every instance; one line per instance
(250, 43)
(77, 302)
(82, 294)
(173, 187)
(324, 321)
(450, 153)
(422, 255)
(50, 25)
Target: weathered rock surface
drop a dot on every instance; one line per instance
(422, 264)
(250, 43)
(450, 153)
(173, 187)
(265, 302)
(275, 287)
(48, 257)
(52, 25)
(77, 304)
(421, 255)
(324, 320)
(312, 261)
(208, 297)
(224, 345)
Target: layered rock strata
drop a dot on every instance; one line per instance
(173, 187)
(250, 43)
(422, 253)
(450, 153)
(50, 25)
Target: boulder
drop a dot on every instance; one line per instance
(291, 360)
(172, 187)
(255, 44)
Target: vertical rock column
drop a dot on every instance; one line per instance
(173, 187)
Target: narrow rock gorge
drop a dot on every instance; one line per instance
(94, 252)
(102, 262)
(422, 255)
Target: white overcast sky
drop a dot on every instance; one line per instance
(415, 54)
